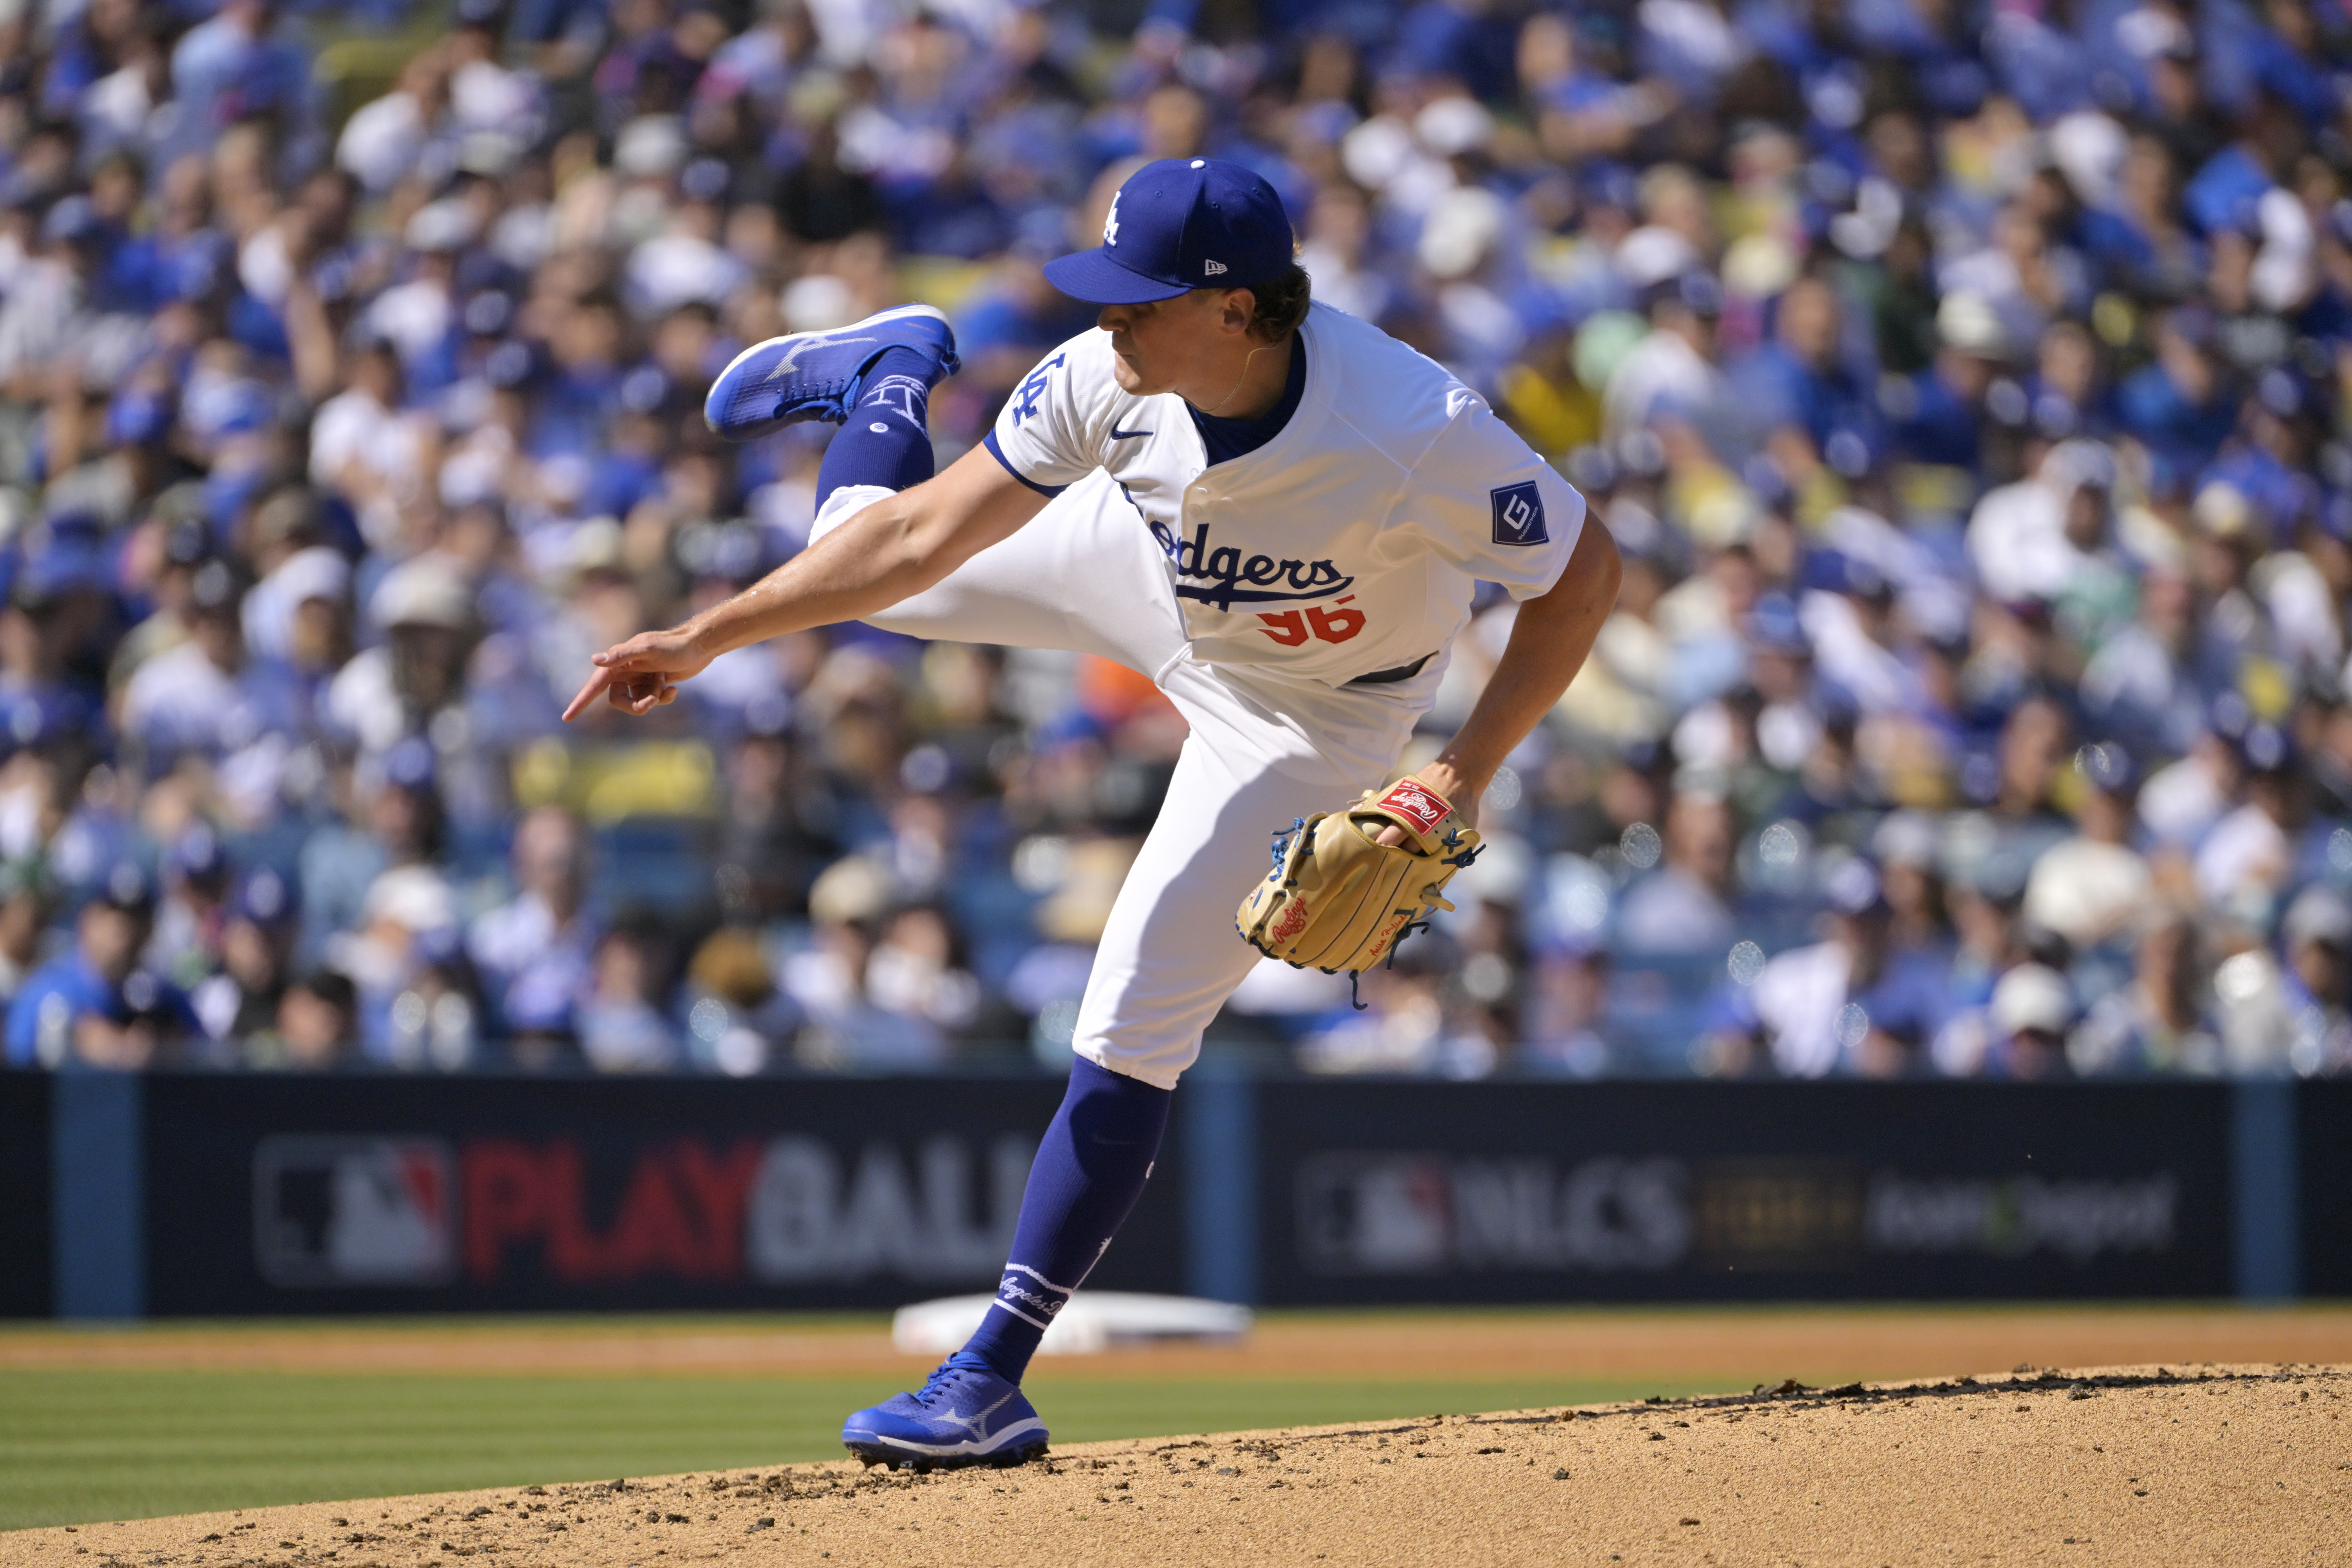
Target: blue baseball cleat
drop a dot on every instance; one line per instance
(965, 1415)
(819, 375)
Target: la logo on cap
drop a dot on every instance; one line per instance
(1110, 221)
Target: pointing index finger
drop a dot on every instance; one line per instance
(596, 685)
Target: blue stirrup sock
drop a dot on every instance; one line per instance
(1087, 1174)
(886, 439)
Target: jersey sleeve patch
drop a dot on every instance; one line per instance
(1519, 515)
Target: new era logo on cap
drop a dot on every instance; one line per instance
(1174, 224)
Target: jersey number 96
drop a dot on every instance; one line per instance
(1331, 623)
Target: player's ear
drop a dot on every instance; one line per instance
(1240, 308)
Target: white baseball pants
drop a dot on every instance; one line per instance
(1085, 576)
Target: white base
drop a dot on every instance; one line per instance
(1094, 1320)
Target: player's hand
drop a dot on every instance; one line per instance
(641, 674)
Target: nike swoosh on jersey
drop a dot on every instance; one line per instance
(1118, 435)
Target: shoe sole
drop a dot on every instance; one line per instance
(873, 1454)
(880, 318)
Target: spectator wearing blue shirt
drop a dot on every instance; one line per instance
(2179, 405)
(93, 1006)
(2138, 242)
(1804, 405)
(2316, 936)
(1013, 321)
(1468, 41)
(2067, 392)
(1938, 415)
(2224, 191)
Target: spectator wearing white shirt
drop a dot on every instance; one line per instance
(1684, 906)
(2244, 863)
(365, 450)
(2035, 539)
(1850, 1003)
(2032, 1009)
(2317, 935)
(1675, 372)
(426, 610)
(208, 697)
(2159, 1021)
(620, 1020)
(2095, 886)
(544, 937)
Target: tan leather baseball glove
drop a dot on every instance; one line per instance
(1336, 899)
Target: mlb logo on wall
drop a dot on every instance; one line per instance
(1519, 515)
(1375, 1214)
(354, 1211)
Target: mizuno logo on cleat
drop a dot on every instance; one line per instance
(790, 362)
(974, 1422)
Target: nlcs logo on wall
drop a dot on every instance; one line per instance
(1379, 1213)
(354, 1211)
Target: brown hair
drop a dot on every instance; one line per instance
(1281, 305)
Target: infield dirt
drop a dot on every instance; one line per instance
(2220, 1465)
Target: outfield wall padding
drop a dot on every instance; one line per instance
(2324, 1186)
(25, 1232)
(197, 1194)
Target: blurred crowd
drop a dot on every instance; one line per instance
(1966, 384)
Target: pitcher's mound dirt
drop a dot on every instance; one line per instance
(2147, 1464)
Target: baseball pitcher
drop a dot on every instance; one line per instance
(1277, 513)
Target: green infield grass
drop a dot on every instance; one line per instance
(78, 1445)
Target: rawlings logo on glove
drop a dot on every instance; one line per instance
(1340, 901)
(1410, 797)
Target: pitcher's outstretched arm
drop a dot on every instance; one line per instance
(891, 551)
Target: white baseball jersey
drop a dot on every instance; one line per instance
(1350, 543)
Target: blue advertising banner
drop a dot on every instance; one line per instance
(193, 1195)
(1398, 1193)
(391, 1194)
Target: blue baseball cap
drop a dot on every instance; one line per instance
(1177, 225)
